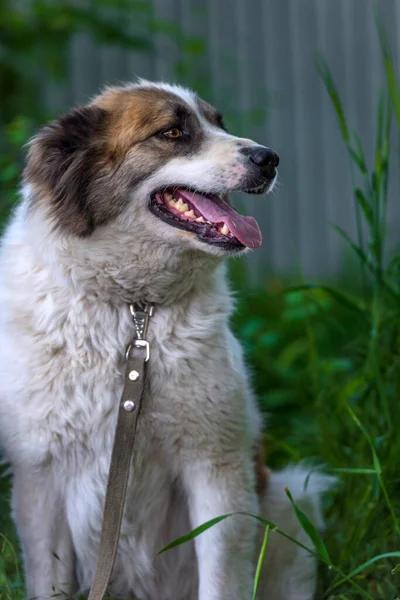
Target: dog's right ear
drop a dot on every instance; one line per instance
(61, 163)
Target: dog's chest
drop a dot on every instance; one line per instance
(195, 381)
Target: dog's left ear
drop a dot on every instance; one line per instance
(61, 163)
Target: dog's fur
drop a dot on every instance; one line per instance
(81, 245)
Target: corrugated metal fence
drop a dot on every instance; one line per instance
(255, 59)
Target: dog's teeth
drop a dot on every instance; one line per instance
(224, 230)
(172, 202)
(199, 220)
(190, 213)
(182, 206)
(168, 196)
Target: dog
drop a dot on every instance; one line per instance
(124, 200)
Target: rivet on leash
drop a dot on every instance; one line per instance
(133, 375)
(129, 406)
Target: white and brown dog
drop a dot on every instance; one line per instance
(122, 202)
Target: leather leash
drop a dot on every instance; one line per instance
(137, 356)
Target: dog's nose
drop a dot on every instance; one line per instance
(263, 157)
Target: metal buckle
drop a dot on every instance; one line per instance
(139, 344)
(143, 344)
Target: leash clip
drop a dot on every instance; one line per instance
(141, 315)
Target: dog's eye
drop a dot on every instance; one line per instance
(173, 134)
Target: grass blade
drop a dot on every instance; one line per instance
(359, 251)
(199, 530)
(364, 205)
(377, 466)
(389, 68)
(260, 562)
(365, 565)
(351, 471)
(358, 155)
(359, 161)
(396, 570)
(368, 263)
(310, 530)
(328, 80)
(195, 532)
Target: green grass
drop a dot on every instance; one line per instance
(329, 381)
(325, 363)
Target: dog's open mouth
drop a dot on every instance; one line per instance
(208, 215)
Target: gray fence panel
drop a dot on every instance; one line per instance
(281, 126)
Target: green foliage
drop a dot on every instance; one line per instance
(35, 38)
(326, 372)
(15, 135)
(11, 581)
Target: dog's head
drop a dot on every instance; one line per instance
(157, 159)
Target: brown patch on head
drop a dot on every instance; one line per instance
(138, 113)
(86, 164)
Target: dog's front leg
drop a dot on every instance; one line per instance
(225, 552)
(44, 533)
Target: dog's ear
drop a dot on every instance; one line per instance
(62, 161)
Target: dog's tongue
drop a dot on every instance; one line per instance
(215, 210)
